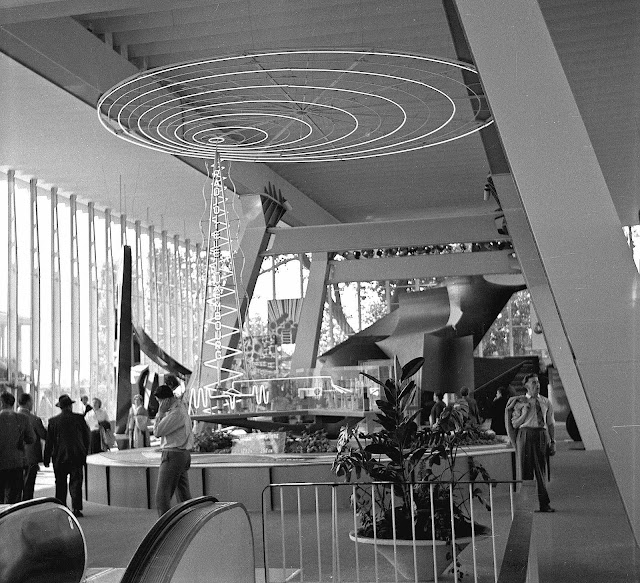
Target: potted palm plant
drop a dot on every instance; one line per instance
(421, 500)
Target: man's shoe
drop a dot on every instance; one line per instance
(78, 513)
(546, 509)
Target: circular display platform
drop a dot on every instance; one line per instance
(297, 105)
(128, 477)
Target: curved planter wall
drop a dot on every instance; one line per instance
(128, 478)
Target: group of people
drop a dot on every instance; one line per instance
(101, 435)
(469, 404)
(21, 433)
(70, 437)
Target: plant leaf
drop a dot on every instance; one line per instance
(412, 367)
(385, 406)
(391, 452)
(406, 391)
(374, 379)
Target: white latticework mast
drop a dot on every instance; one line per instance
(221, 319)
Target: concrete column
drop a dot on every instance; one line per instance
(306, 351)
(579, 261)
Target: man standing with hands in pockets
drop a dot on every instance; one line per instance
(173, 426)
(531, 428)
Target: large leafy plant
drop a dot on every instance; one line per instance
(420, 464)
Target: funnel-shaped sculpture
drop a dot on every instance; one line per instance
(443, 324)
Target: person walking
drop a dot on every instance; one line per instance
(33, 451)
(137, 424)
(67, 445)
(15, 432)
(531, 428)
(173, 426)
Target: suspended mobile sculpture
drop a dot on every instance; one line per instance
(308, 106)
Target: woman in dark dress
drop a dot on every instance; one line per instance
(497, 410)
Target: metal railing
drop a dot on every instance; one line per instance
(313, 532)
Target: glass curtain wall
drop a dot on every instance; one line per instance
(59, 262)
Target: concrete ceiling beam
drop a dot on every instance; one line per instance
(358, 236)
(30, 10)
(445, 265)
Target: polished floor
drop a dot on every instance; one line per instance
(587, 540)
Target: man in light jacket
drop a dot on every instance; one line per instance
(531, 429)
(173, 426)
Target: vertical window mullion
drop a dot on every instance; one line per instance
(35, 293)
(13, 361)
(199, 307)
(109, 286)
(74, 296)
(178, 291)
(166, 301)
(56, 307)
(139, 275)
(153, 284)
(188, 284)
(93, 290)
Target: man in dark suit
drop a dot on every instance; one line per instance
(15, 431)
(474, 412)
(67, 445)
(33, 451)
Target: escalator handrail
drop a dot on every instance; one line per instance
(18, 506)
(11, 508)
(157, 535)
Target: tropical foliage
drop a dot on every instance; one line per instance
(416, 465)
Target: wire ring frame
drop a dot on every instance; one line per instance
(297, 106)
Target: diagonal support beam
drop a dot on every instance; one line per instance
(524, 244)
(306, 351)
(586, 263)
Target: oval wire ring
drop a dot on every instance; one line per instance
(297, 106)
